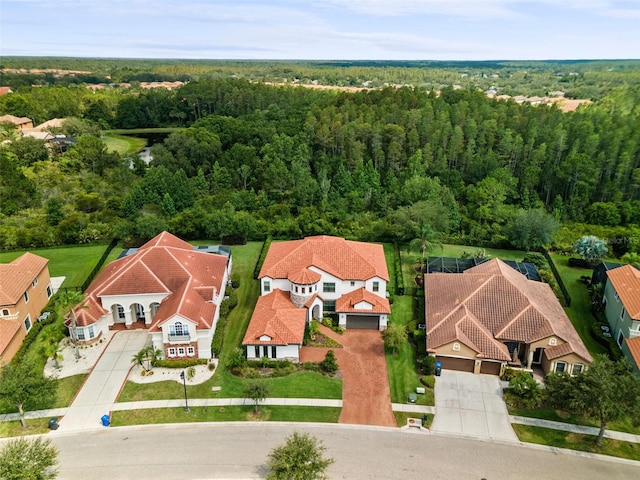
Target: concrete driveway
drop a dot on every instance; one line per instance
(103, 385)
(471, 405)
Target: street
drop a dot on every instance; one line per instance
(239, 451)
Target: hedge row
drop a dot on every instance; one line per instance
(181, 363)
(35, 330)
(218, 336)
(263, 254)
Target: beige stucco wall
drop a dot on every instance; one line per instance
(464, 352)
(570, 359)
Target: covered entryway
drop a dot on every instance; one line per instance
(363, 322)
(460, 364)
(490, 368)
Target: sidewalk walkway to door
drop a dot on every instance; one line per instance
(102, 386)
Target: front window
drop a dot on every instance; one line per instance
(91, 331)
(329, 287)
(181, 351)
(267, 286)
(376, 286)
(616, 296)
(26, 297)
(620, 338)
(171, 352)
(191, 351)
(560, 367)
(5, 312)
(49, 292)
(622, 312)
(27, 323)
(120, 311)
(353, 284)
(329, 305)
(577, 368)
(80, 333)
(178, 329)
(35, 282)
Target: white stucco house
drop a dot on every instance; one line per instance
(301, 280)
(166, 286)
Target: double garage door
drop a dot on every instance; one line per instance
(363, 322)
(467, 365)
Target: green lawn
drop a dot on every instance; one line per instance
(580, 310)
(574, 441)
(74, 262)
(36, 426)
(124, 144)
(402, 417)
(458, 250)
(134, 131)
(271, 413)
(622, 425)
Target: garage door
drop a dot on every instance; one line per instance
(491, 368)
(460, 364)
(363, 322)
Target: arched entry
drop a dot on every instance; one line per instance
(137, 312)
(117, 311)
(153, 308)
(316, 313)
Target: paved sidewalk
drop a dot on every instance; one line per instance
(102, 386)
(569, 427)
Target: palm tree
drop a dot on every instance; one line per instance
(426, 240)
(50, 337)
(147, 357)
(67, 300)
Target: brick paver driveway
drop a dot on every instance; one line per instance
(365, 384)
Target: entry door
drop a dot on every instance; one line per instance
(537, 355)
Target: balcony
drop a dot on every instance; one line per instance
(10, 317)
(179, 338)
(634, 333)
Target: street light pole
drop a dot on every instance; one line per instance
(184, 383)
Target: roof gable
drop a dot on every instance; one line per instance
(344, 259)
(17, 276)
(277, 318)
(626, 282)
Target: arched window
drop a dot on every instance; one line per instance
(178, 329)
(5, 312)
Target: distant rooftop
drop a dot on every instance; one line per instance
(217, 249)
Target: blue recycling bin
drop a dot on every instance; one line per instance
(105, 420)
(438, 368)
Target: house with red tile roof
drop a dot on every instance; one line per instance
(622, 309)
(25, 289)
(167, 286)
(491, 316)
(301, 280)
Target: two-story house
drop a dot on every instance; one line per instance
(301, 280)
(25, 289)
(622, 309)
(167, 286)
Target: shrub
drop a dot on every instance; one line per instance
(329, 364)
(508, 374)
(327, 322)
(191, 372)
(237, 358)
(428, 381)
(526, 390)
(181, 363)
(311, 366)
(429, 365)
(537, 259)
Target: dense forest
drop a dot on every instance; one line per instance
(394, 163)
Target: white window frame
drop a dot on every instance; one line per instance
(616, 296)
(620, 338)
(27, 320)
(80, 333)
(171, 352)
(622, 312)
(375, 287)
(266, 286)
(182, 352)
(573, 369)
(34, 283)
(564, 367)
(329, 287)
(49, 291)
(191, 351)
(91, 332)
(25, 295)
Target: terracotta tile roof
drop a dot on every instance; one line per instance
(15, 120)
(8, 330)
(501, 303)
(345, 259)
(626, 282)
(346, 303)
(16, 277)
(558, 351)
(304, 276)
(278, 318)
(164, 265)
(634, 348)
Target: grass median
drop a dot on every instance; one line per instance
(244, 413)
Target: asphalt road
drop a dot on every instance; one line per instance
(239, 451)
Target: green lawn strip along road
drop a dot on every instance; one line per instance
(273, 413)
(576, 441)
(36, 426)
(402, 417)
(623, 425)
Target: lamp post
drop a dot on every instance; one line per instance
(184, 383)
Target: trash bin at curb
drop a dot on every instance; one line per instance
(53, 423)
(438, 369)
(105, 420)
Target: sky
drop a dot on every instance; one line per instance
(323, 29)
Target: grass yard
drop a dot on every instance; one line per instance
(574, 441)
(622, 425)
(269, 413)
(298, 385)
(74, 262)
(124, 144)
(401, 367)
(580, 310)
(36, 426)
(402, 417)
(67, 389)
